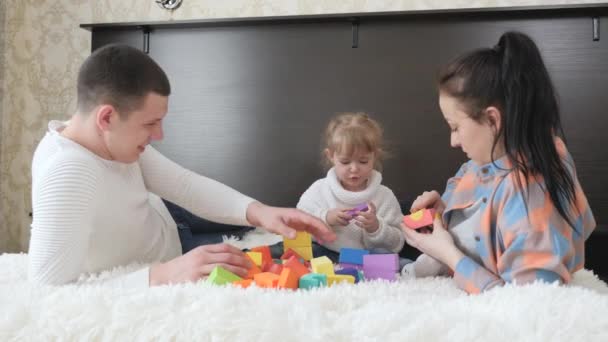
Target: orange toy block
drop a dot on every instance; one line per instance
(289, 253)
(253, 270)
(266, 279)
(295, 265)
(419, 219)
(243, 283)
(288, 279)
(265, 250)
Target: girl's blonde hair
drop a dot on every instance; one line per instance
(350, 132)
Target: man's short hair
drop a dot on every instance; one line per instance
(121, 76)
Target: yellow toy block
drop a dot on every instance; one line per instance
(303, 239)
(304, 252)
(256, 257)
(338, 278)
(322, 265)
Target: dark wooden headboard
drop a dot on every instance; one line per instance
(251, 96)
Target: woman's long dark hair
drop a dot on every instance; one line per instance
(512, 77)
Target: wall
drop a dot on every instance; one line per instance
(43, 48)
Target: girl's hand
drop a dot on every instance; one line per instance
(438, 244)
(368, 219)
(428, 199)
(338, 217)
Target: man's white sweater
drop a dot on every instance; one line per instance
(92, 214)
(328, 193)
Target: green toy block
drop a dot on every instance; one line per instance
(312, 280)
(221, 276)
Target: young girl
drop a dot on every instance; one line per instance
(354, 150)
(518, 205)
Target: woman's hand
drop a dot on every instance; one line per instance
(368, 219)
(338, 217)
(439, 243)
(428, 199)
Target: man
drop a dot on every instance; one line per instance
(96, 184)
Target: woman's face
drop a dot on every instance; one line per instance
(474, 138)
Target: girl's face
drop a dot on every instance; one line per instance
(354, 170)
(474, 138)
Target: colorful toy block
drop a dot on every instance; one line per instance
(322, 265)
(312, 280)
(381, 266)
(356, 210)
(305, 252)
(276, 269)
(288, 279)
(419, 219)
(256, 258)
(221, 276)
(302, 239)
(353, 266)
(339, 278)
(289, 252)
(349, 271)
(253, 270)
(244, 283)
(266, 279)
(265, 250)
(352, 256)
(295, 265)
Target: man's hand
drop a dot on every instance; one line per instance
(198, 263)
(285, 221)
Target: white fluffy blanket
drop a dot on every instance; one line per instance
(418, 310)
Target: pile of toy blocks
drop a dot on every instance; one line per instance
(297, 267)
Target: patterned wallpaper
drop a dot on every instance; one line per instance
(43, 48)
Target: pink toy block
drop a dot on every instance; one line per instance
(380, 274)
(419, 219)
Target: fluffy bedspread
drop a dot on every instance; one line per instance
(430, 309)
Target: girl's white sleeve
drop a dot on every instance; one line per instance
(200, 195)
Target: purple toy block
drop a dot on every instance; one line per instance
(380, 274)
(386, 262)
(361, 207)
(350, 271)
(346, 265)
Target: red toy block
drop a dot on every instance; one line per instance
(293, 264)
(290, 252)
(419, 219)
(276, 269)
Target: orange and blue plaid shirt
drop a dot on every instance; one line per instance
(521, 236)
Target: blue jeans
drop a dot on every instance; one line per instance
(195, 231)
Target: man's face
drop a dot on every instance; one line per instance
(126, 139)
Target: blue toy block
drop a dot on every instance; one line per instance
(350, 271)
(352, 255)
